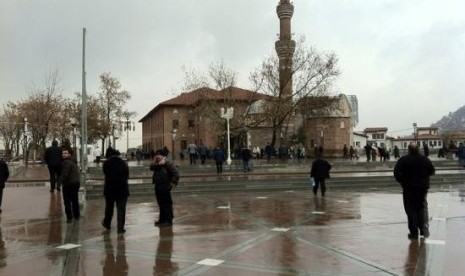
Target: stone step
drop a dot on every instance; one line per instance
(253, 183)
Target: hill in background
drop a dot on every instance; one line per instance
(452, 122)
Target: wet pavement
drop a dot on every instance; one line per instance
(350, 232)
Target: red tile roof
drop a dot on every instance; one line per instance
(375, 129)
(193, 97)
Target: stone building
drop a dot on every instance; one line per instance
(194, 117)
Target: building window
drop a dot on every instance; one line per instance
(377, 136)
(342, 124)
(190, 123)
(175, 124)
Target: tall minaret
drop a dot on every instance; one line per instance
(285, 47)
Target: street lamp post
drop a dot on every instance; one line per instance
(228, 114)
(73, 124)
(128, 125)
(25, 141)
(415, 133)
(173, 138)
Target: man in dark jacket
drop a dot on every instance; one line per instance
(4, 174)
(115, 190)
(165, 176)
(53, 159)
(246, 154)
(413, 171)
(218, 156)
(320, 171)
(70, 182)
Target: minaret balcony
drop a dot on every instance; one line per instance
(285, 48)
(285, 10)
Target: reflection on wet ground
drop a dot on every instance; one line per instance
(350, 232)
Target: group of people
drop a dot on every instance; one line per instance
(412, 171)
(64, 175)
(116, 189)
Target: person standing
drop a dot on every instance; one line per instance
(115, 191)
(218, 156)
(396, 152)
(426, 150)
(202, 149)
(413, 172)
(320, 172)
(367, 148)
(70, 182)
(53, 159)
(4, 174)
(165, 176)
(268, 151)
(192, 150)
(246, 154)
(461, 155)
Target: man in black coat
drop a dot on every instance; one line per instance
(4, 174)
(413, 171)
(165, 177)
(116, 190)
(53, 159)
(320, 171)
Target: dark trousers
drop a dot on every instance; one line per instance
(165, 205)
(55, 173)
(1, 197)
(120, 211)
(203, 158)
(245, 164)
(416, 208)
(219, 167)
(318, 183)
(192, 157)
(71, 201)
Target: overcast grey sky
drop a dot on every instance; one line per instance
(404, 60)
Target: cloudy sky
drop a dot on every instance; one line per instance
(404, 60)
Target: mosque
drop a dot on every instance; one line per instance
(195, 116)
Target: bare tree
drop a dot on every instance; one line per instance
(313, 74)
(11, 129)
(112, 100)
(44, 112)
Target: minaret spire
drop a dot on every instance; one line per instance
(285, 47)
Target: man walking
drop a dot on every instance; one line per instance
(115, 190)
(53, 159)
(165, 177)
(192, 150)
(70, 182)
(413, 171)
(320, 171)
(4, 174)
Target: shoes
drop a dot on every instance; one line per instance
(424, 233)
(69, 221)
(51, 191)
(164, 224)
(412, 237)
(0, 211)
(121, 231)
(106, 226)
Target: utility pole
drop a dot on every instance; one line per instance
(84, 114)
